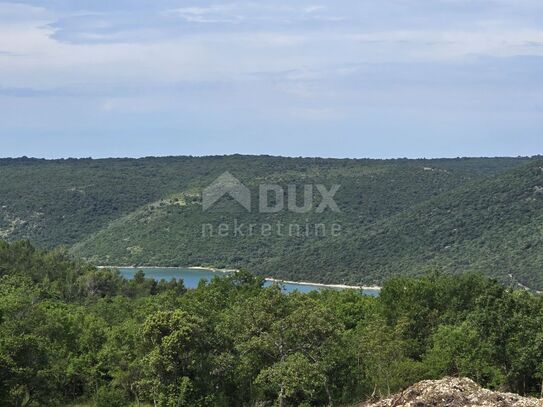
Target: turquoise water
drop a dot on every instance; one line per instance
(191, 278)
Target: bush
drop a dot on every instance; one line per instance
(110, 397)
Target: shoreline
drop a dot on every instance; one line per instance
(213, 269)
(270, 279)
(342, 286)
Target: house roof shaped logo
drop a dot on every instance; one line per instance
(226, 184)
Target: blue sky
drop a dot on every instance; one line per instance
(342, 78)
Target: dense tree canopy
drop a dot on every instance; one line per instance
(72, 334)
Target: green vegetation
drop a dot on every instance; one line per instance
(74, 335)
(398, 217)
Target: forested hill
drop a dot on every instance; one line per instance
(397, 216)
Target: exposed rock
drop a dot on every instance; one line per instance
(453, 392)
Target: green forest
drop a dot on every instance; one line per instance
(398, 217)
(75, 335)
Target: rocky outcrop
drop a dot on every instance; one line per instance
(453, 392)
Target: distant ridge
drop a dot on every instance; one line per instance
(397, 216)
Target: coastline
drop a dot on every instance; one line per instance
(270, 279)
(213, 269)
(342, 286)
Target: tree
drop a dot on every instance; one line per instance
(460, 351)
(174, 344)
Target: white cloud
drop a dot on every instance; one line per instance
(447, 44)
(210, 14)
(13, 13)
(314, 8)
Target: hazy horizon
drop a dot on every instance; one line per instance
(265, 155)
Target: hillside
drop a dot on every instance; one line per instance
(396, 216)
(491, 226)
(53, 202)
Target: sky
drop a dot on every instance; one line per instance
(331, 78)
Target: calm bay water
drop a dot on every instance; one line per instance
(191, 278)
